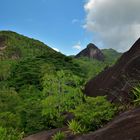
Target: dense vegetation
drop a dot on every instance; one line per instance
(38, 86)
(92, 66)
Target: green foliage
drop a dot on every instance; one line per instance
(136, 92)
(94, 112)
(62, 90)
(19, 46)
(30, 70)
(51, 106)
(94, 67)
(30, 92)
(10, 134)
(59, 136)
(2, 133)
(62, 82)
(26, 72)
(111, 56)
(37, 85)
(91, 67)
(5, 69)
(54, 106)
(31, 117)
(9, 99)
(21, 110)
(76, 127)
(9, 119)
(30, 56)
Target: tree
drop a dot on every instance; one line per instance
(61, 82)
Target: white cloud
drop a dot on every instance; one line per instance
(77, 46)
(115, 22)
(56, 49)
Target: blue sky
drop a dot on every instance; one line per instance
(57, 23)
(70, 24)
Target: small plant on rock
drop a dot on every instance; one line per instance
(76, 127)
(59, 136)
(136, 92)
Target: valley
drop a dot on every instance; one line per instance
(45, 94)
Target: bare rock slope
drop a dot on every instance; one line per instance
(115, 81)
(124, 127)
(92, 52)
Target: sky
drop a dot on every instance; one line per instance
(69, 25)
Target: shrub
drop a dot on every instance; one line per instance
(31, 117)
(9, 119)
(136, 92)
(9, 99)
(61, 82)
(58, 136)
(51, 111)
(94, 112)
(10, 134)
(76, 127)
(55, 105)
(2, 133)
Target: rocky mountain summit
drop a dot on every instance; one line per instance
(92, 52)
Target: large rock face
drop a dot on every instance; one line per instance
(91, 52)
(45, 135)
(124, 127)
(116, 81)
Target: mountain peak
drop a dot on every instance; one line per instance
(91, 46)
(135, 47)
(92, 52)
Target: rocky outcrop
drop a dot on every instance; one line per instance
(116, 81)
(91, 52)
(2, 46)
(124, 127)
(2, 42)
(47, 135)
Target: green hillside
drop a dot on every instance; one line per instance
(20, 55)
(111, 55)
(92, 66)
(30, 71)
(15, 46)
(38, 84)
(16, 49)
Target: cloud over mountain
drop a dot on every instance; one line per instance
(77, 46)
(56, 49)
(116, 22)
